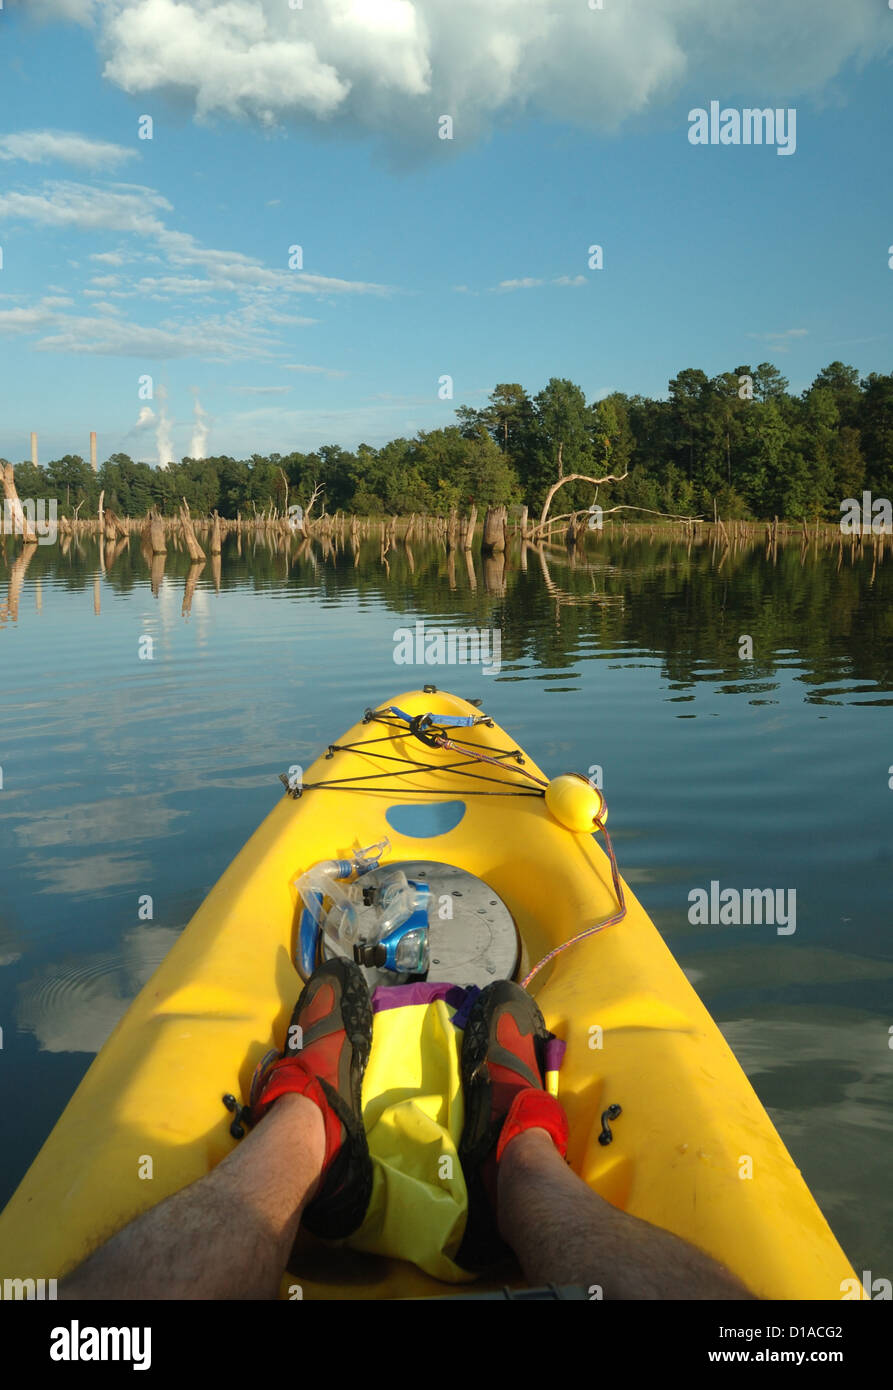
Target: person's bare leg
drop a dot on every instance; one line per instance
(564, 1233)
(230, 1234)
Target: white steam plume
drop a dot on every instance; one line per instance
(163, 431)
(198, 449)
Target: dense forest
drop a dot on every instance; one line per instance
(740, 439)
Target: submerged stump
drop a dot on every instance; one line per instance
(196, 554)
(495, 526)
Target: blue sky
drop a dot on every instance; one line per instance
(421, 257)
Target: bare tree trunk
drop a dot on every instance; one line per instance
(20, 522)
(215, 533)
(196, 554)
(571, 478)
(469, 530)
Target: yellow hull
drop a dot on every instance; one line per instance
(691, 1130)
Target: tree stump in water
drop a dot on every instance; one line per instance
(196, 554)
(452, 530)
(469, 529)
(13, 508)
(153, 535)
(216, 543)
(576, 531)
(495, 526)
(114, 528)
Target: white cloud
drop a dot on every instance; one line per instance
(80, 11)
(527, 283)
(31, 318)
(283, 428)
(314, 371)
(227, 57)
(116, 208)
(394, 66)
(63, 147)
(780, 336)
(216, 339)
(135, 209)
(781, 341)
(330, 285)
(261, 390)
(189, 272)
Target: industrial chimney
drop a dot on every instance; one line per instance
(93, 463)
(34, 448)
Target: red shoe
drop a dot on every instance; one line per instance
(503, 1070)
(325, 1057)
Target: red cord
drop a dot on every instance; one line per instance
(590, 931)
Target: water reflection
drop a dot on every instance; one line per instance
(73, 1005)
(823, 611)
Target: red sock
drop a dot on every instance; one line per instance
(290, 1076)
(302, 1073)
(534, 1110)
(525, 1106)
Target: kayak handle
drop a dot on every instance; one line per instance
(606, 1136)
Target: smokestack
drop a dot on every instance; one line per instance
(34, 448)
(93, 463)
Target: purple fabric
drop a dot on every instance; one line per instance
(460, 1017)
(426, 992)
(422, 992)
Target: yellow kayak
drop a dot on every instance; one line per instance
(692, 1151)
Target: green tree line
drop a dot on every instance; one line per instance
(740, 439)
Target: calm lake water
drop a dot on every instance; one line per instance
(122, 777)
